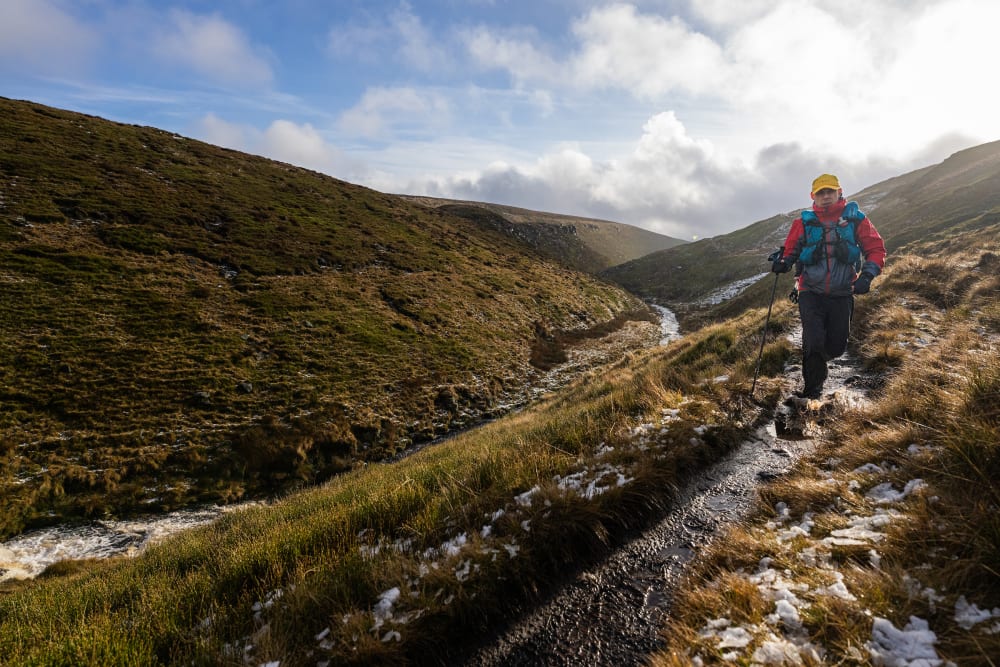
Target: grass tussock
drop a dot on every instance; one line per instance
(389, 563)
(891, 527)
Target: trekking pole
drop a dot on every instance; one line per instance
(763, 336)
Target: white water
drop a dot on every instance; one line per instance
(27, 555)
(669, 327)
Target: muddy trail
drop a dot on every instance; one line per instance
(612, 614)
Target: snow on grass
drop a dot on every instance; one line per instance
(458, 554)
(886, 493)
(592, 483)
(782, 638)
(968, 615)
(729, 291)
(912, 646)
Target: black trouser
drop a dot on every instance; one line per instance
(826, 324)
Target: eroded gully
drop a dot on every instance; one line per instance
(612, 614)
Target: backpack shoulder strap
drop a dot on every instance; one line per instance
(853, 212)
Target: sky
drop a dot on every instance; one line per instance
(690, 118)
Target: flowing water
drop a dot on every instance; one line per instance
(27, 555)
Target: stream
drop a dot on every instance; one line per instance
(27, 555)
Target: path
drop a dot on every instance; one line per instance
(612, 614)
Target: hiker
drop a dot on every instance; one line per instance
(837, 252)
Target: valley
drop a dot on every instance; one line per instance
(185, 326)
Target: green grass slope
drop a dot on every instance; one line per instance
(180, 322)
(584, 243)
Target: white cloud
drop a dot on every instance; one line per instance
(784, 90)
(513, 51)
(214, 48)
(726, 13)
(297, 144)
(417, 47)
(37, 35)
(301, 145)
(647, 55)
(733, 109)
(397, 109)
(402, 36)
(940, 80)
(668, 177)
(668, 170)
(669, 182)
(216, 131)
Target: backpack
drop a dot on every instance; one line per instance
(846, 249)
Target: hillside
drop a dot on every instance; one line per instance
(180, 322)
(962, 193)
(584, 243)
(881, 547)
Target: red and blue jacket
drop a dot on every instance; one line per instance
(831, 246)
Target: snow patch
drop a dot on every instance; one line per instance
(913, 646)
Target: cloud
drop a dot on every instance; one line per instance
(616, 46)
(214, 48)
(38, 36)
(402, 35)
(647, 55)
(668, 179)
(688, 126)
(727, 14)
(216, 131)
(297, 144)
(398, 110)
(672, 183)
(841, 76)
(512, 50)
(417, 47)
(301, 145)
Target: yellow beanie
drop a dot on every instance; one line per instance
(825, 181)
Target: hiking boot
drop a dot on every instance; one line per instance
(800, 397)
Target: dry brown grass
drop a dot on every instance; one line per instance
(937, 419)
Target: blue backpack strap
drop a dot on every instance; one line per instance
(853, 213)
(849, 250)
(812, 238)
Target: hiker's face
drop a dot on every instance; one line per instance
(826, 196)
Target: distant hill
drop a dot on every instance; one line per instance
(174, 310)
(960, 194)
(584, 243)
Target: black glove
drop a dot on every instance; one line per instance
(780, 266)
(863, 283)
